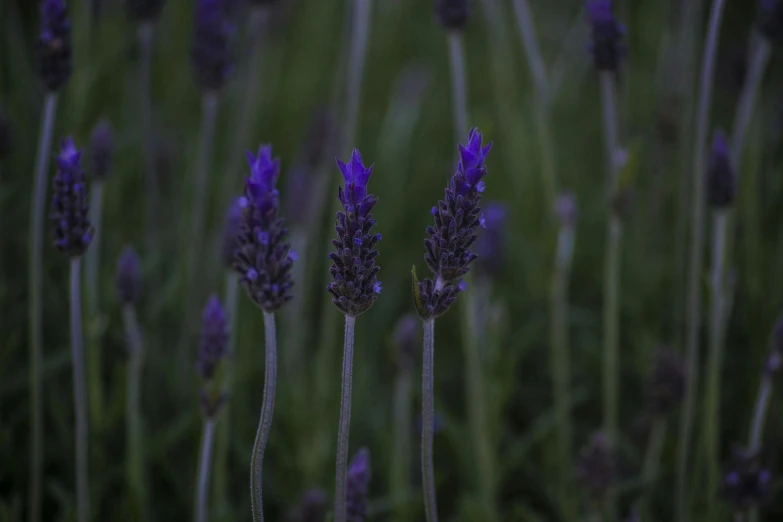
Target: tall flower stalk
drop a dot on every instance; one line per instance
(448, 255)
(405, 340)
(211, 354)
(73, 234)
(693, 308)
(128, 293)
(54, 67)
(354, 290)
(263, 260)
(358, 485)
(101, 155)
(453, 16)
(362, 10)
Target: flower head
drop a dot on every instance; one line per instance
(231, 230)
(668, 383)
(72, 228)
(211, 54)
(492, 243)
(720, 173)
(355, 287)
(54, 45)
(406, 338)
(566, 210)
(358, 483)
(452, 14)
(263, 256)
(144, 10)
(128, 276)
(596, 468)
(102, 148)
(607, 45)
(212, 350)
(457, 220)
(746, 482)
(770, 20)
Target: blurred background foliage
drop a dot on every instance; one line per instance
(405, 128)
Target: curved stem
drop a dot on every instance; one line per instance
(265, 424)
(79, 394)
(92, 262)
(148, 135)
(652, 461)
(693, 312)
(203, 470)
(135, 460)
(428, 421)
(458, 84)
(35, 312)
(361, 27)
(345, 422)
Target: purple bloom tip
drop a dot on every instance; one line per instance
(356, 176)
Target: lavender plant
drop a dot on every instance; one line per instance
(358, 484)
(211, 354)
(693, 308)
(128, 282)
(597, 471)
(747, 482)
(453, 16)
(54, 69)
(101, 152)
(73, 233)
(263, 260)
(448, 255)
(354, 290)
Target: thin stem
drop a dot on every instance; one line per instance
(224, 433)
(133, 427)
(560, 362)
(428, 421)
(757, 425)
(345, 422)
(148, 135)
(196, 225)
(203, 470)
(401, 450)
(458, 84)
(715, 360)
(265, 424)
(652, 461)
(35, 312)
(693, 312)
(609, 106)
(611, 327)
(92, 261)
(361, 27)
(79, 394)
(758, 65)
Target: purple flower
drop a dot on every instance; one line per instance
(72, 228)
(356, 286)
(746, 482)
(596, 468)
(565, 209)
(457, 219)
(102, 148)
(231, 230)
(720, 173)
(211, 54)
(263, 257)
(128, 276)
(770, 20)
(607, 46)
(452, 14)
(357, 486)
(668, 383)
(491, 245)
(54, 45)
(406, 339)
(144, 10)
(214, 339)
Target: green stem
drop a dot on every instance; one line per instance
(401, 451)
(360, 30)
(715, 361)
(35, 313)
(758, 65)
(265, 423)
(428, 421)
(652, 461)
(203, 470)
(693, 312)
(224, 429)
(609, 106)
(135, 460)
(458, 84)
(79, 394)
(148, 135)
(345, 422)
(611, 328)
(92, 262)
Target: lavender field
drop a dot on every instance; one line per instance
(391, 260)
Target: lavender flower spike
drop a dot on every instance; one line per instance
(212, 351)
(457, 218)
(607, 47)
(211, 44)
(720, 173)
(263, 257)
(452, 14)
(102, 149)
(358, 482)
(128, 276)
(356, 286)
(54, 45)
(72, 228)
(231, 230)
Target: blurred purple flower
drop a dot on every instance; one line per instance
(452, 14)
(668, 383)
(596, 468)
(607, 43)
(144, 10)
(72, 228)
(211, 51)
(491, 245)
(746, 482)
(565, 209)
(54, 45)
(357, 486)
(312, 507)
(102, 148)
(128, 276)
(720, 173)
(406, 339)
(770, 20)
(231, 230)
(355, 287)
(214, 339)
